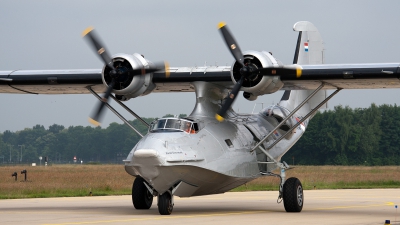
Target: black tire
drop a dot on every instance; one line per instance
(141, 196)
(293, 198)
(165, 205)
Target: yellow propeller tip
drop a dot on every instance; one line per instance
(94, 122)
(221, 24)
(167, 72)
(86, 31)
(219, 118)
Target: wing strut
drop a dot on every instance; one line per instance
(115, 111)
(304, 118)
(283, 165)
(130, 111)
(258, 145)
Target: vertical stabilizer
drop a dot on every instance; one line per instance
(309, 50)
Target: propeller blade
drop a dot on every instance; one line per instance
(229, 100)
(96, 44)
(116, 72)
(247, 71)
(96, 117)
(231, 43)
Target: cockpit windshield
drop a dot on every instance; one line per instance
(173, 125)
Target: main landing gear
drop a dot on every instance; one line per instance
(292, 194)
(142, 197)
(290, 190)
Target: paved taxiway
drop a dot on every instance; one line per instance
(321, 207)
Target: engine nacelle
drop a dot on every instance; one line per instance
(258, 84)
(129, 85)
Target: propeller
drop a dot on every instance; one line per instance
(117, 73)
(247, 71)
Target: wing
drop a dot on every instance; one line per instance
(345, 76)
(50, 81)
(77, 81)
(308, 75)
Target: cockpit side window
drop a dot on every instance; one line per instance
(160, 124)
(196, 127)
(188, 127)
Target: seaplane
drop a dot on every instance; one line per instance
(214, 149)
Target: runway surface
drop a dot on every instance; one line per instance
(321, 207)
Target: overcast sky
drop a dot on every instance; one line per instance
(47, 35)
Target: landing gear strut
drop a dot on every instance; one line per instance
(141, 196)
(290, 190)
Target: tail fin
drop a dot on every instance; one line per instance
(309, 50)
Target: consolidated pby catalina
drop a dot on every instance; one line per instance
(214, 149)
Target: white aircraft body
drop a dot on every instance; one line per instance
(214, 149)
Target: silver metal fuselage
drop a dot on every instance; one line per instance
(216, 159)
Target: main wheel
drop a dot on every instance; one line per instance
(165, 205)
(293, 198)
(141, 196)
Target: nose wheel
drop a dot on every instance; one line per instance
(165, 203)
(141, 196)
(293, 197)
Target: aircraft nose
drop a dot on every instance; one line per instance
(147, 162)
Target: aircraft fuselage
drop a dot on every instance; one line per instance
(216, 158)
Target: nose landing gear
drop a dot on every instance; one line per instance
(165, 203)
(142, 198)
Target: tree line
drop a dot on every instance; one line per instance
(61, 145)
(342, 136)
(345, 136)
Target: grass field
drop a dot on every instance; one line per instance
(65, 181)
(81, 180)
(333, 177)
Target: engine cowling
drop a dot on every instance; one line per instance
(128, 85)
(258, 84)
